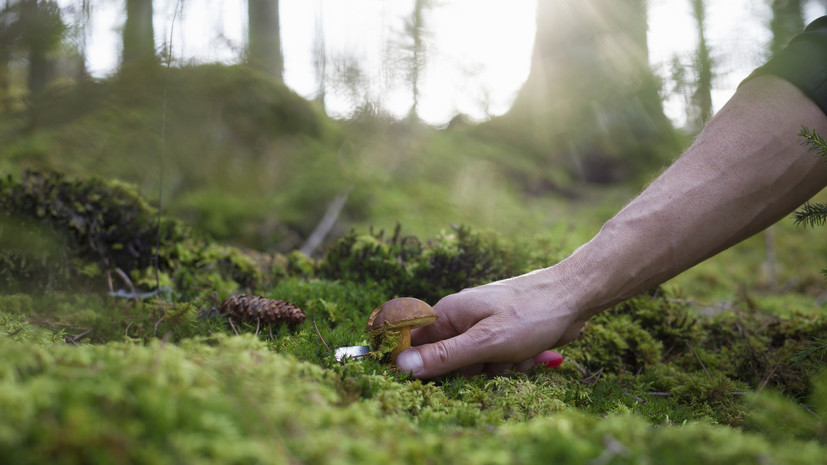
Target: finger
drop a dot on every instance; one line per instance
(455, 315)
(436, 331)
(445, 356)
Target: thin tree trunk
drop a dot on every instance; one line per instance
(787, 20)
(702, 98)
(416, 30)
(138, 33)
(37, 41)
(264, 39)
(5, 53)
(320, 56)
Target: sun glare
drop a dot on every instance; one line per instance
(478, 52)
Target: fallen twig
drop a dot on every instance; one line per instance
(128, 282)
(15, 331)
(232, 326)
(593, 379)
(326, 224)
(74, 339)
(673, 357)
(767, 378)
(639, 370)
(582, 370)
(320, 336)
(155, 330)
(699, 360)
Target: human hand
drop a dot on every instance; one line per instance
(493, 328)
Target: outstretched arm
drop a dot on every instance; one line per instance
(745, 171)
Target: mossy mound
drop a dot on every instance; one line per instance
(64, 233)
(224, 146)
(408, 267)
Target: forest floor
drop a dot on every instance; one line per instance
(723, 364)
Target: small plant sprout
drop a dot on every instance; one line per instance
(399, 315)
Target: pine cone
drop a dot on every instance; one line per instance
(253, 308)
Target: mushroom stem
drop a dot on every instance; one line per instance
(404, 342)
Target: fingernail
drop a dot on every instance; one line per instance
(410, 361)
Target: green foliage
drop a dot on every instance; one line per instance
(407, 267)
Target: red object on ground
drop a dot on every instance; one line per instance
(549, 358)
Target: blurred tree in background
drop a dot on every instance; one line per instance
(264, 38)
(591, 98)
(701, 109)
(138, 34)
(786, 21)
(35, 30)
(416, 30)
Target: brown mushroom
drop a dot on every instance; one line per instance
(400, 314)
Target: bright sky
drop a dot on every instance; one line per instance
(479, 50)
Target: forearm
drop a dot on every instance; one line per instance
(745, 171)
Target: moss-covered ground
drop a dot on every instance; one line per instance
(725, 364)
(91, 377)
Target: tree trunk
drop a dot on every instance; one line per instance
(787, 20)
(702, 97)
(4, 80)
(264, 39)
(320, 57)
(41, 31)
(138, 34)
(590, 95)
(415, 30)
(6, 43)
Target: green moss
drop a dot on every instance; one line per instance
(166, 380)
(230, 400)
(106, 227)
(15, 327)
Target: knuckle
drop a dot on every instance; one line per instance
(487, 336)
(443, 352)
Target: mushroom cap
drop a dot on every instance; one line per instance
(400, 312)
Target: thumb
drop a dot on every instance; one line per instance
(429, 360)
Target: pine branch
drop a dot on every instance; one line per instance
(816, 348)
(811, 214)
(814, 141)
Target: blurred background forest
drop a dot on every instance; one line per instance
(261, 122)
